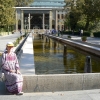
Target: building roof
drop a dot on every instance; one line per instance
(48, 3)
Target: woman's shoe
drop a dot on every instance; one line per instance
(20, 93)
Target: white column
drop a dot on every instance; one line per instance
(43, 21)
(29, 21)
(56, 19)
(50, 20)
(16, 21)
(60, 22)
(22, 18)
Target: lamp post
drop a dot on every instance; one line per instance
(0, 28)
(25, 26)
(8, 30)
(29, 23)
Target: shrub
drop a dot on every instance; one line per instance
(69, 36)
(86, 33)
(67, 32)
(84, 38)
(96, 34)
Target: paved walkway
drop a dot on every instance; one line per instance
(92, 40)
(7, 38)
(27, 59)
(64, 95)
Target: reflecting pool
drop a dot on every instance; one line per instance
(49, 59)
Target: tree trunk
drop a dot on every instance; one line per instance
(87, 24)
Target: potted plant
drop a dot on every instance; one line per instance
(69, 36)
(84, 38)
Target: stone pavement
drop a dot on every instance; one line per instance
(27, 60)
(64, 95)
(92, 40)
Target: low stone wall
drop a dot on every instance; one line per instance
(61, 82)
(82, 46)
(58, 82)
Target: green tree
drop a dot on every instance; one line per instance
(74, 18)
(85, 13)
(75, 12)
(23, 3)
(91, 9)
(7, 13)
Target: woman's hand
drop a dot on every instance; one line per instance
(15, 71)
(18, 72)
(12, 71)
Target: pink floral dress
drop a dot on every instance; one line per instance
(14, 81)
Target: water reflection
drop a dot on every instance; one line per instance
(49, 59)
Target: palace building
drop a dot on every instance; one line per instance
(41, 14)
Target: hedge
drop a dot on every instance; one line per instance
(96, 34)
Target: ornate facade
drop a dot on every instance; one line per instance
(41, 14)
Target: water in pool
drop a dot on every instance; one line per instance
(49, 59)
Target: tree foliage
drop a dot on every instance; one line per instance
(84, 13)
(7, 11)
(23, 3)
(7, 15)
(91, 8)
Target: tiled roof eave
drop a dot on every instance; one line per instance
(39, 7)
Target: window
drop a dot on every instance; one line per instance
(62, 16)
(58, 16)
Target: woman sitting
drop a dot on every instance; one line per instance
(10, 67)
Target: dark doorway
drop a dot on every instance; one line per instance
(36, 21)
